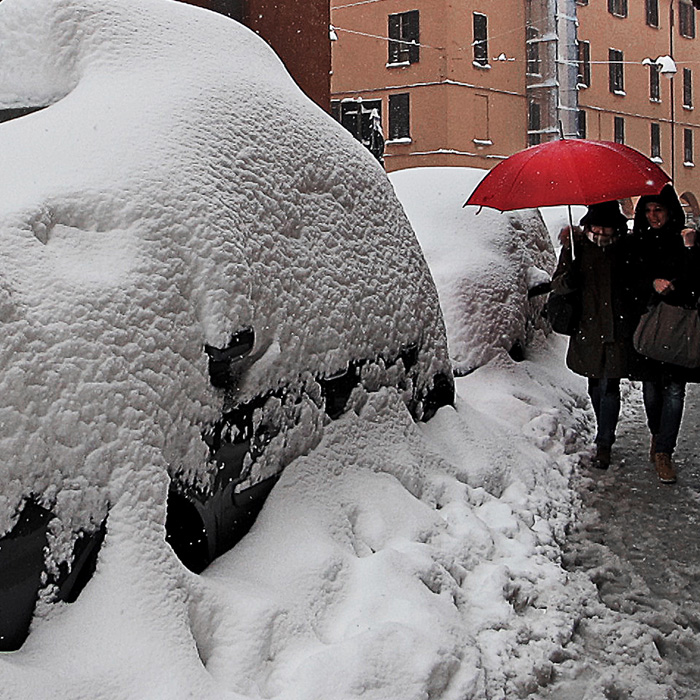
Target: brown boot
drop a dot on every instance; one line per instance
(602, 457)
(652, 449)
(664, 468)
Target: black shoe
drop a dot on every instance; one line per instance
(602, 457)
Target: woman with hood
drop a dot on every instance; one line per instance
(668, 256)
(601, 344)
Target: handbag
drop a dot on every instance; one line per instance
(669, 334)
(564, 312)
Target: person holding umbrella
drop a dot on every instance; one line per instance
(668, 255)
(596, 174)
(600, 345)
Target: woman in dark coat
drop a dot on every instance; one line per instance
(601, 344)
(669, 270)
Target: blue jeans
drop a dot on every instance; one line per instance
(605, 397)
(663, 401)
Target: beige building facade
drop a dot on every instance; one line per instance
(469, 82)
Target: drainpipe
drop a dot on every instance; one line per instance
(567, 66)
(671, 22)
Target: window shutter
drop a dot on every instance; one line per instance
(413, 34)
(394, 33)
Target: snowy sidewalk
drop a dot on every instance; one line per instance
(638, 543)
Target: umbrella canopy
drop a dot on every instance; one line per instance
(569, 171)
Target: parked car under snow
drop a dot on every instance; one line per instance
(200, 269)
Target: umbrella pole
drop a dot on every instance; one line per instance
(571, 231)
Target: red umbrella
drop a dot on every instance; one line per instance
(568, 171)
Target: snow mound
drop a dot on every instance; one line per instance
(396, 560)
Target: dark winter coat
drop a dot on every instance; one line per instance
(661, 254)
(601, 345)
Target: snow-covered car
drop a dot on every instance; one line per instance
(199, 269)
(486, 289)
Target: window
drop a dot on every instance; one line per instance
(619, 130)
(686, 19)
(480, 43)
(533, 52)
(655, 82)
(581, 123)
(688, 88)
(363, 119)
(652, 7)
(584, 64)
(616, 75)
(688, 147)
(399, 116)
(404, 36)
(617, 8)
(534, 123)
(656, 141)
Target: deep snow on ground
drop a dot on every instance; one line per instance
(409, 559)
(396, 560)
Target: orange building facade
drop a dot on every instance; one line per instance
(438, 106)
(469, 82)
(634, 96)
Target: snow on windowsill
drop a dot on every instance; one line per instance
(688, 164)
(550, 82)
(405, 139)
(622, 93)
(402, 64)
(482, 142)
(482, 66)
(656, 159)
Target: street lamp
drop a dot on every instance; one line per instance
(667, 67)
